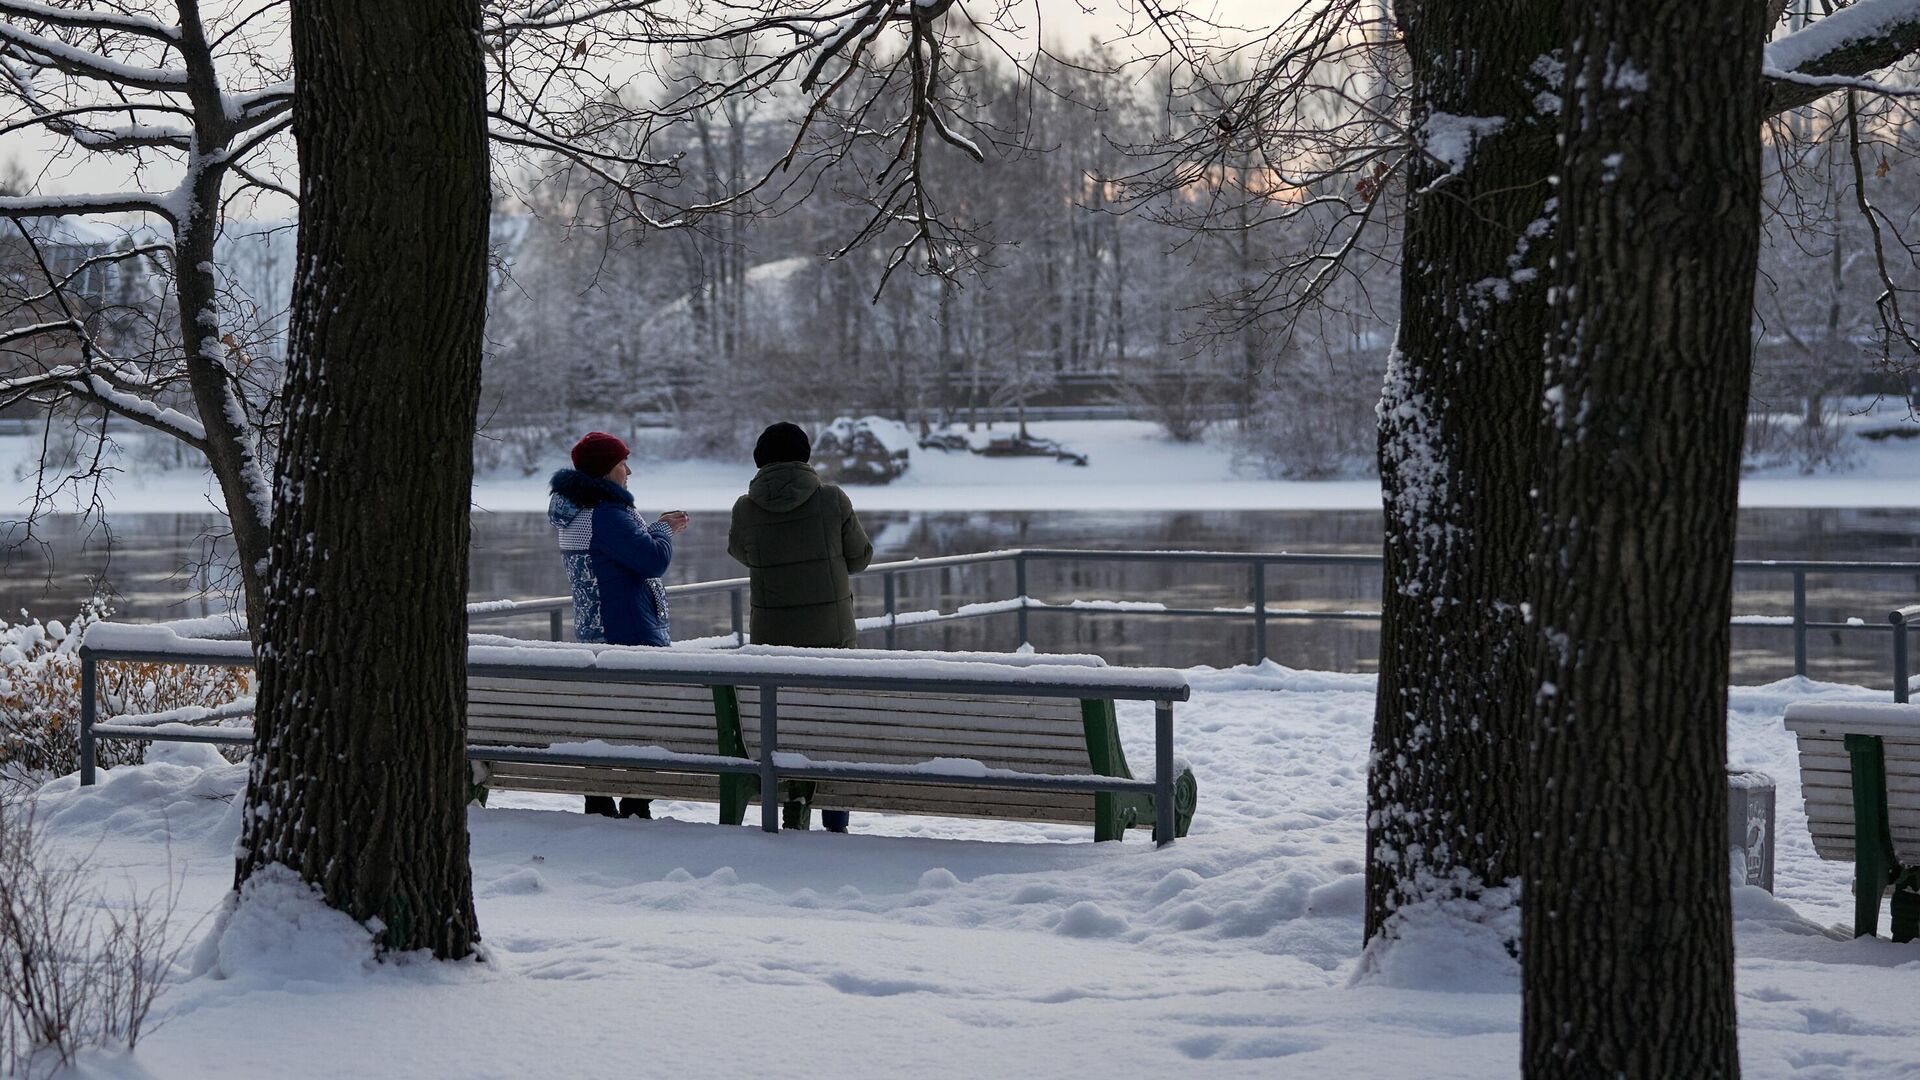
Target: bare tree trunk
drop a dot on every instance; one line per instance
(359, 779)
(1449, 739)
(231, 449)
(1628, 934)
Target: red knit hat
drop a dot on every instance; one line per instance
(598, 452)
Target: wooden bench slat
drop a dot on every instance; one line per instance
(1830, 836)
(1905, 846)
(1013, 722)
(1843, 779)
(646, 691)
(801, 700)
(833, 790)
(867, 753)
(1842, 797)
(1829, 814)
(571, 730)
(893, 733)
(1903, 749)
(605, 703)
(560, 780)
(840, 742)
(561, 707)
(955, 806)
(565, 719)
(1842, 763)
(521, 740)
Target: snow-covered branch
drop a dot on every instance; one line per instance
(1846, 46)
(562, 15)
(90, 19)
(59, 119)
(100, 390)
(47, 52)
(18, 207)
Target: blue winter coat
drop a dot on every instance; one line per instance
(614, 560)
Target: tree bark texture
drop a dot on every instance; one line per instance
(1628, 939)
(1456, 439)
(359, 779)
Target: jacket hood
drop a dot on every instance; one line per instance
(574, 491)
(783, 486)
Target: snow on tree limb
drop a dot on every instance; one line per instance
(100, 390)
(90, 19)
(1847, 45)
(130, 202)
(49, 52)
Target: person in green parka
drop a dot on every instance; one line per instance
(799, 540)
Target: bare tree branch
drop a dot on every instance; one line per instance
(1851, 43)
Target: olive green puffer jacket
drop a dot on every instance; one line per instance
(799, 539)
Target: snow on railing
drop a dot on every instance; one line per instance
(162, 643)
(189, 714)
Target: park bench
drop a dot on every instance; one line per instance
(1860, 777)
(1010, 736)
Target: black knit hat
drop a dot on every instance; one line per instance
(782, 442)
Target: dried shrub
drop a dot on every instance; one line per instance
(76, 971)
(40, 696)
(1776, 441)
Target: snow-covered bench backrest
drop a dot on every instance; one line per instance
(1826, 771)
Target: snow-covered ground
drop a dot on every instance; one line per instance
(1131, 466)
(683, 949)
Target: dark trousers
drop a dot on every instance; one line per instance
(835, 820)
(629, 806)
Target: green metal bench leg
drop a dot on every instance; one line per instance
(735, 791)
(1869, 884)
(1116, 812)
(1113, 815)
(1874, 865)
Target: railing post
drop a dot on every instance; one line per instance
(888, 584)
(1020, 592)
(1800, 623)
(553, 625)
(1163, 812)
(1259, 613)
(769, 744)
(1900, 676)
(739, 629)
(88, 689)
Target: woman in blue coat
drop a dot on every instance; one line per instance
(614, 561)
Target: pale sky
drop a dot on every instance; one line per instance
(1065, 23)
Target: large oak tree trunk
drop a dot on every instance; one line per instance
(359, 778)
(1628, 938)
(1456, 441)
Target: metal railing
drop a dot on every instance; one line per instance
(1022, 606)
(1901, 619)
